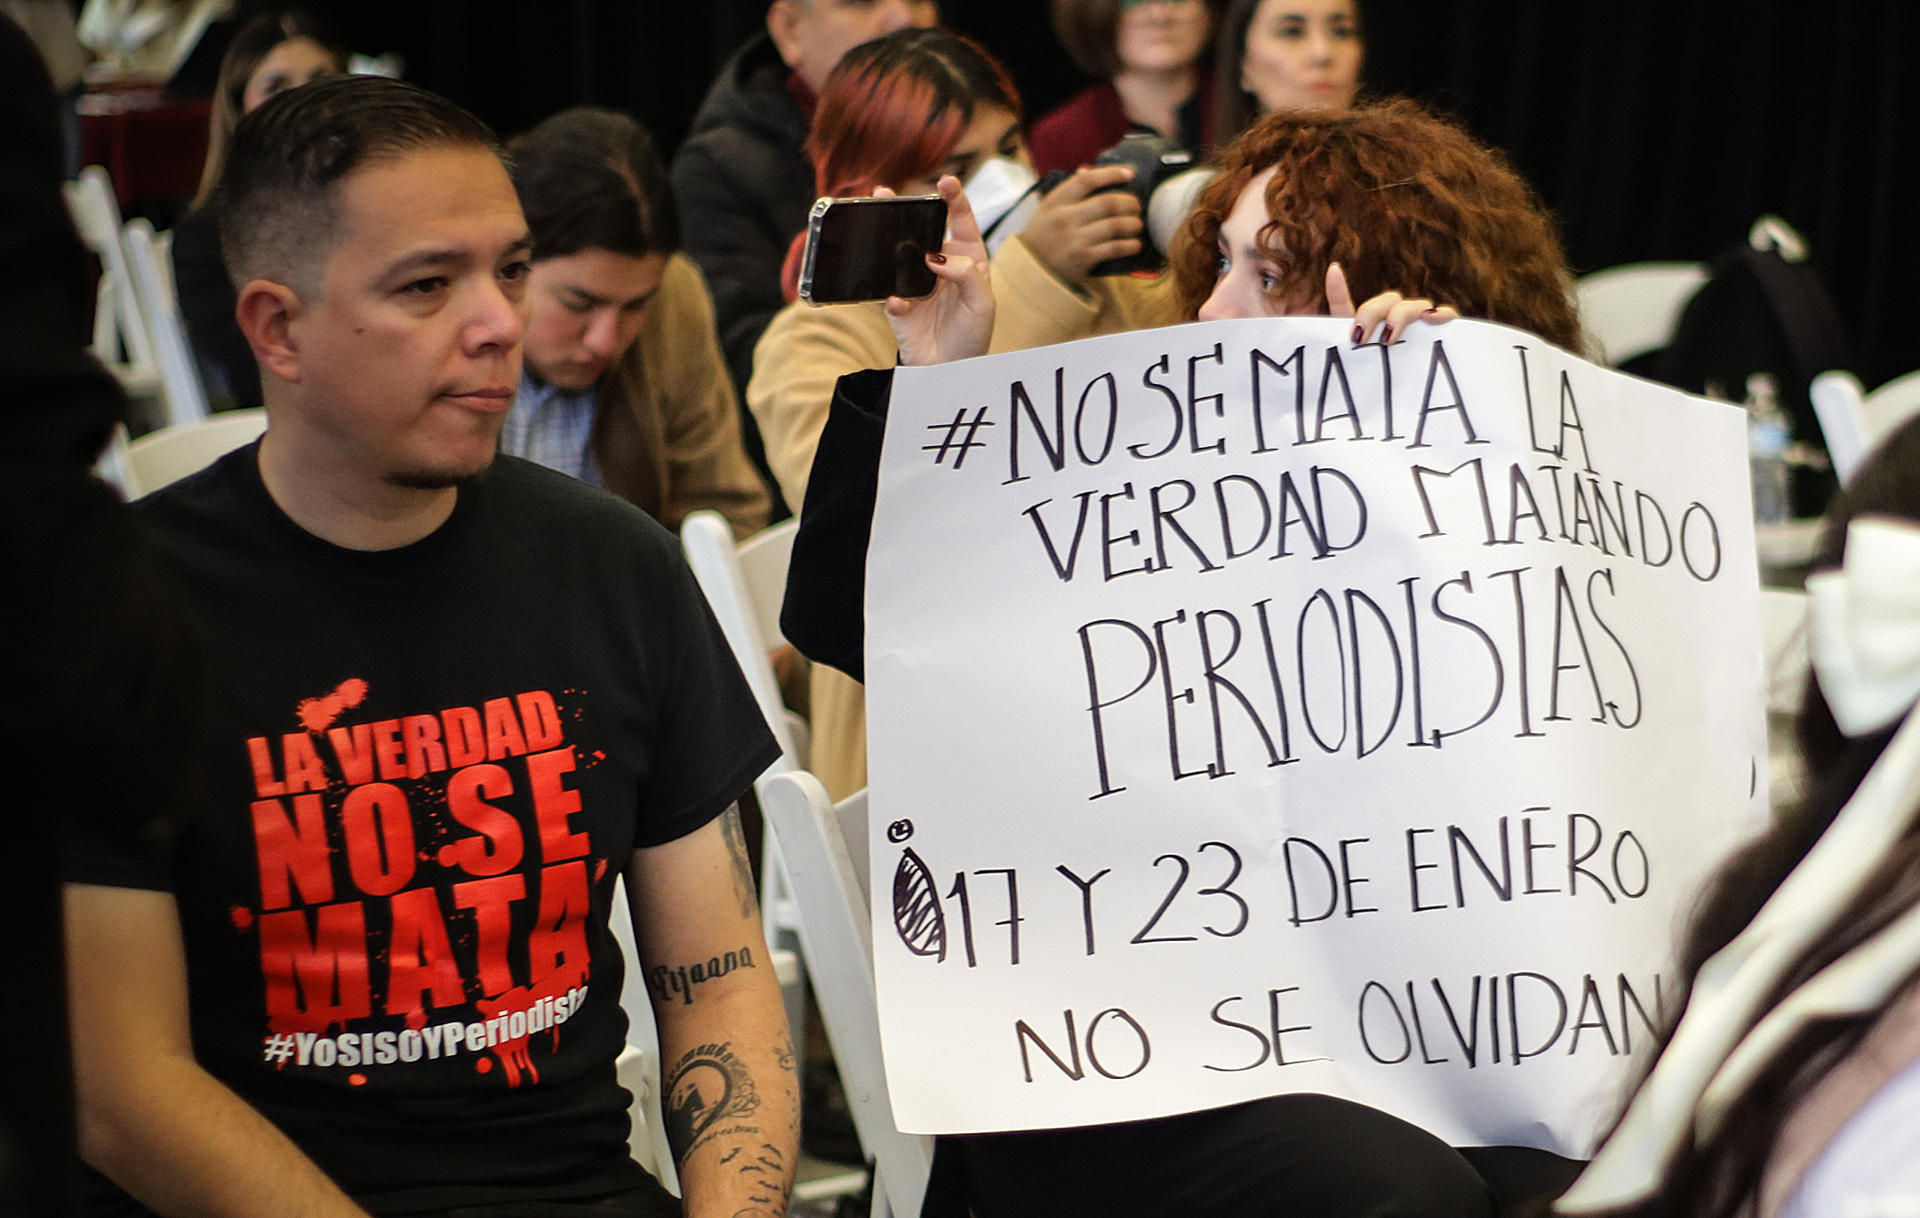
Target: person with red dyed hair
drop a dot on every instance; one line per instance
(1308, 211)
(898, 113)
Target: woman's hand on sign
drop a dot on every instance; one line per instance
(1084, 221)
(956, 321)
(1390, 311)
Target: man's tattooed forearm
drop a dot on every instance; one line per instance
(745, 889)
(766, 1172)
(669, 981)
(707, 1086)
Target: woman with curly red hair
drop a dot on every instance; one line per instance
(1393, 195)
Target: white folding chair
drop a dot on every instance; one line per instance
(1891, 405)
(638, 1065)
(744, 583)
(180, 388)
(826, 848)
(170, 454)
(1633, 309)
(120, 337)
(1840, 405)
(112, 467)
(1783, 640)
(1783, 634)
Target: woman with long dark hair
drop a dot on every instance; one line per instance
(1274, 55)
(270, 54)
(1150, 57)
(1791, 1085)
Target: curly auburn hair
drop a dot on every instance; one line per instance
(1402, 199)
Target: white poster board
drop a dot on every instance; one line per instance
(1251, 713)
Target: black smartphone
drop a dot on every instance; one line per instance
(870, 249)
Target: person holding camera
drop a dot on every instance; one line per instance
(1151, 56)
(896, 114)
(1308, 212)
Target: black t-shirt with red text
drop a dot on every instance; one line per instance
(426, 767)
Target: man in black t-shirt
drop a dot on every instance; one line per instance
(452, 698)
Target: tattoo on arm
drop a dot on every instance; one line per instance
(706, 1087)
(744, 887)
(669, 981)
(711, 1094)
(766, 1173)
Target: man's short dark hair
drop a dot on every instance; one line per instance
(278, 198)
(591, 179)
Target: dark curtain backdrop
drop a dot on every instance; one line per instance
(1654, 128)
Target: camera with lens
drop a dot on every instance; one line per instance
(1156, 160)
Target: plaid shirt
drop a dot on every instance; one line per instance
(551, 426)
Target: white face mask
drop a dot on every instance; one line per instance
(1003, 197)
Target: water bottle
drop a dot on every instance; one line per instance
(1768, 432)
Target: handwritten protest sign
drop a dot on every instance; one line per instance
(1252, 712)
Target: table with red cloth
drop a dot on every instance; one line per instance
(151, 145)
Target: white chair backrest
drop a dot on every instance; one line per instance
(170, 454)
(639, 1063)
(744, 583)
(1783, 638)
(163, 250)
(113, 468)
(837, 934)
(1840, 405)
(1892, 404)
(1633, 309)
(120, 337)
(180, 388)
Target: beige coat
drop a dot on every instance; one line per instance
(806, 350)
(666, 435)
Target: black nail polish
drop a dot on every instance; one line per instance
(1359, 336)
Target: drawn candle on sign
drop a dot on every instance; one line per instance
(917, 916)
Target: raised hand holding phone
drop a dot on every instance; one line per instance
(956, 321)
(869, 248)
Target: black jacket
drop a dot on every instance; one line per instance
(744, 186)
(824, 613)
(207, 301)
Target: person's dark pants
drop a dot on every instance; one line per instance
(651, 1200)
(1310, 1156)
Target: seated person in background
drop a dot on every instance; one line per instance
(623, 384)
(1417, 201)
(1826, 1121)
(1152, 56)
(896, 114)
(1286, 55)
(453, 696)
(742, 177)
(270, 54)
